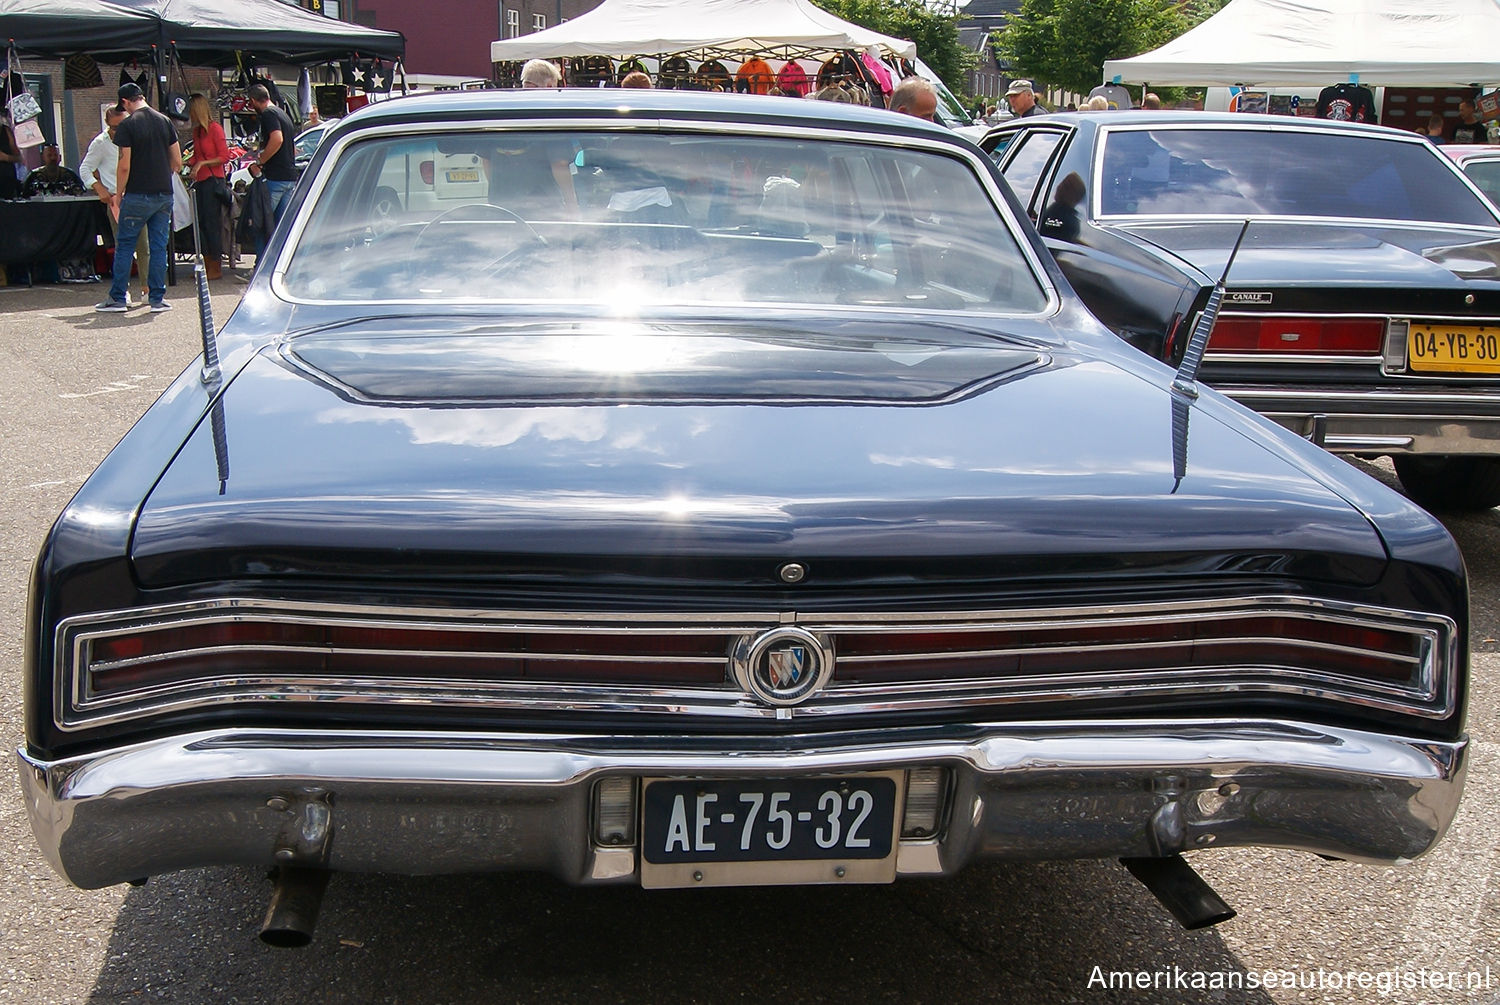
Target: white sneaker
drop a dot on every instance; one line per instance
(112, 307)
(160, 308)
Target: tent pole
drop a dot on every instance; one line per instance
(161, 103)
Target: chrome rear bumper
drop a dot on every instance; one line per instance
(1381, 422)
(425, 803)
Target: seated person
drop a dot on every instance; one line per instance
(51, 178)
(1060, 219)
(533, 178)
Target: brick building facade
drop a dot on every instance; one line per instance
(453, 38)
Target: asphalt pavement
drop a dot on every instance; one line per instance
(71, 383)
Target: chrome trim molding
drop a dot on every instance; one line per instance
(1431, 691)
(1251, 356)
(452, 802)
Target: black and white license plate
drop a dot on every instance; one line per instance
(737, 832)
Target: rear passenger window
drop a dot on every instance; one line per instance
(1028, 162)
(1486, 174)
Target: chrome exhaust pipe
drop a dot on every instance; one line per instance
(1181, 890)
(294, 907)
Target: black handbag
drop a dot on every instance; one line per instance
(332, 100)
(175, 101)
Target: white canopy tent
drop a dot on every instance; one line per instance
(701, 29)
(1271, 43)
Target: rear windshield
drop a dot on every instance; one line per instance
(658, 218)
(1263, 172)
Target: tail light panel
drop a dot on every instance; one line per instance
(143, 663)
(1298, 335)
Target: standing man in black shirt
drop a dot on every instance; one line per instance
(149, 156)
(276, 161)
(1468, 128)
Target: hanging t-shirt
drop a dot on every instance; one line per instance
(756, 75)
(793, 79)
(143, 80)
(675, 73)
(840, 68)
(628, 67)
(1346, 103)
(876, 71)
(590, 71)
(714, 74)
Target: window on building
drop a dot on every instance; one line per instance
(538, 22)
(512, 23)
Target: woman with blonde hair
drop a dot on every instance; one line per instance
(210, 152)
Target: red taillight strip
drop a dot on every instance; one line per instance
(678, 663)
(1298, 335)
(1316, 644)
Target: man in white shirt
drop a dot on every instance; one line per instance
(98, 171)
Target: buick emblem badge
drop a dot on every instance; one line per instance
(785, 665)
(782, 666)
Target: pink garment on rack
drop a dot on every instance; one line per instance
(878, 70)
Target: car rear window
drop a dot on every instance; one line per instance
(1030, 159)
(644, 218)
(1486, 174)
(1281, 172)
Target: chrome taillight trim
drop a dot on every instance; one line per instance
(1431, 693)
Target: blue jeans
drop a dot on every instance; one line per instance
(279, 191)
(152, 212)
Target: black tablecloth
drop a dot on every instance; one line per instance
(51, 230)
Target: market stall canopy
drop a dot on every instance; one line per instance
(206, 32)
(1410, 43)
(702, 29)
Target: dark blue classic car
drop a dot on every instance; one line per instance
(696, 490)
(1363, 310)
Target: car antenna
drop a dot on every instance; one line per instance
(1186, 381)
(210, 372)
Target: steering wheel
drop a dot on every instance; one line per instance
(385, 211)
(479, 212)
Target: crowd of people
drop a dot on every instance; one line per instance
(129, 165)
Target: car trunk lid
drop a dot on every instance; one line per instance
(695, 459)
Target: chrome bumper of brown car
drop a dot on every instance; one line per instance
(1377, 422)
(468, 802)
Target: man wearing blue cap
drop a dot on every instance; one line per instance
(149, 156)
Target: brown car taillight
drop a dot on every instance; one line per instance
(1312, 335)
